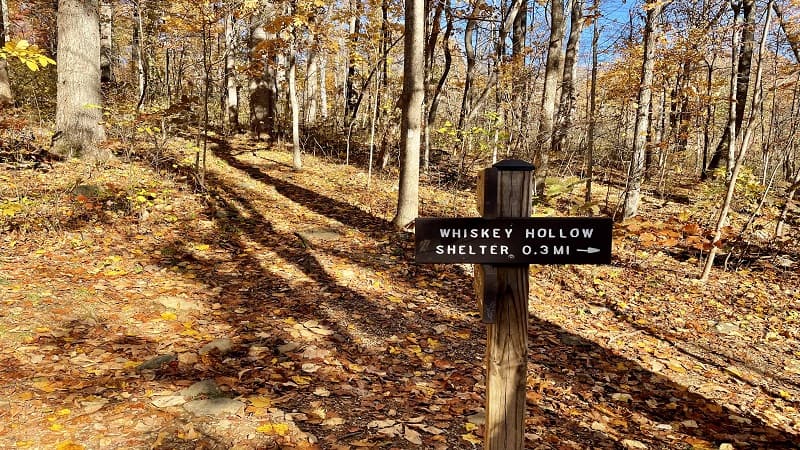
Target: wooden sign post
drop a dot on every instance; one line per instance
(507, 336)
(501, 244)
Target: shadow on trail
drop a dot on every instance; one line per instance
(703, 351)
(334, 209)
(573, 378)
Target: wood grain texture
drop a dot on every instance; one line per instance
(507, 337)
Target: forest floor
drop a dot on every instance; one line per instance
(279, 310)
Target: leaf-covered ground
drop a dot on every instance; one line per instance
(280, 310)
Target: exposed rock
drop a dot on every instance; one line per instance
(157, 362)
(166, 401)
(288, 347)
(218, 407)
(207, 388)
(317, 235)
(178, 303)
(598, 309)
(727, 328)
(222, 345)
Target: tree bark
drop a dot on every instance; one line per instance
(437, 92)
(742, 145)
(432, 30)
(636, 173)
(106, 34)
(469, 54)
(792, 175)
(6, 96)
(312, 85)
(263, 92)
(552, 80)
(592, 106)
(709, 114)
(78, 98)
(323, 86)
(744, 65)
(413, 93)
(566, 107)
(230, 97)
(448, 61)
(350, 94)
(294, 104)
(792, 33)
(137, 54)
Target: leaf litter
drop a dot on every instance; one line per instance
(343, 343)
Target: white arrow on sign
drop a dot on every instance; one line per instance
(589, 250)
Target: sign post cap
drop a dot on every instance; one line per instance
(514, 165)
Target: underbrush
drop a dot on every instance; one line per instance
(73, 195)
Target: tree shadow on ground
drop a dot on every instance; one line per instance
(94, 381)
(699, 348)
(573, 378)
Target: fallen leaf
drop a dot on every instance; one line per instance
(621, 397)
(412, 436)
(280, 429)
(633, 444)
(260, 402)
(69, 445)
(322, 392)
(333, 422)
(471, 438)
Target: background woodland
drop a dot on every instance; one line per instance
(224, 193)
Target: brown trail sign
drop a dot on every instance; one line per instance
(531, 240)
(501, 244)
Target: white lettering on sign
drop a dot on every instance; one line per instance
(563, 233)
(467, 249)
(475, 233)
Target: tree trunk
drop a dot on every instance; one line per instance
(137, 54)
(230, 97)
(790, 193)
(636, 173)
(350, 93)
(469, 54)
(448, 61)
(519, 31)
(432, 30)
(791, 174)
(6, 97)
(517, 114)
(567, 103)
(791, 31)
(709, 115)
(323, 86)
(413, 93)
(78, 98)
(743, 69)
(592, 106)
(552, 80)
(384, 152)
(263, 93)
(312, 84)
(106, 30)
(743, 145)
(294, 104)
